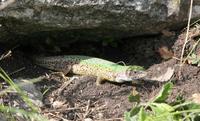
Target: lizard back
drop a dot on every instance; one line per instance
(85, 65)
(60, 63)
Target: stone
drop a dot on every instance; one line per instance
(93, 19)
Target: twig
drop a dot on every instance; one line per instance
(5, 55)
(111, 119)
(186, 39)
(8, 53)
(59, 91)
(121, 62)
(16, 71)
(194, 46)
(87, 110)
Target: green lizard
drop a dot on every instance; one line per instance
(85, 65)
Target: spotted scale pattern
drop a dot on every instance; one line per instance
(85, 65)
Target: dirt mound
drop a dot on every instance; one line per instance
(82, 98)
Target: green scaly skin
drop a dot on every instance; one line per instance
(85, 65)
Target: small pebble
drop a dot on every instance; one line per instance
(88, 119)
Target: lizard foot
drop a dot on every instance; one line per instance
(99, 81)
(61, 75)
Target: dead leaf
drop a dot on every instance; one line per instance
(164, 77)
(165, 53)
(58, 104)
(196, 98)
(167, 33)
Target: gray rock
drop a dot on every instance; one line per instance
(3, 117)
(34, 95)
(94, 19)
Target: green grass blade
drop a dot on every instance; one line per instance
(164, 93)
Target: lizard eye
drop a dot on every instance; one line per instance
(131, 72)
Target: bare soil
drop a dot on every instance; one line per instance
(82, 98)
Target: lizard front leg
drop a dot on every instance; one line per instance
(62, 73)
(99, 81)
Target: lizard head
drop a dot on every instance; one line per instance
(131, 74)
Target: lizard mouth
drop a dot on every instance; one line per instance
(127, 77)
